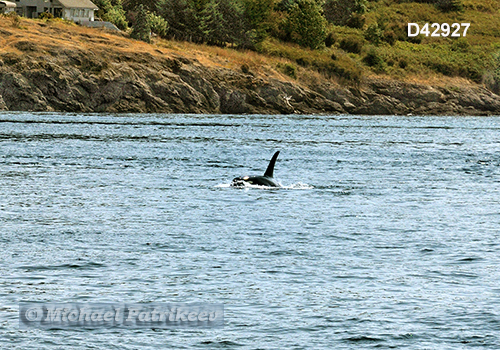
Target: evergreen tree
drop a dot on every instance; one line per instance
(212, 24)
(149, 5)
(182, 18)
(259, 15)
(104, 6)
(223, 22)
(236, 25)
(306, 25)
(142, 28)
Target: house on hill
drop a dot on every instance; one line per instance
(7, 6)
(72, 10)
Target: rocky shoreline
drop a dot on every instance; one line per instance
(71, 79)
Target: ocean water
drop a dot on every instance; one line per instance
(384, 235)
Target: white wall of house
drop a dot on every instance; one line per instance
(33, 8)
(79, 15)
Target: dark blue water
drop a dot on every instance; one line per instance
(386, 234)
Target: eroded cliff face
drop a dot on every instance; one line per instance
(70, 81)
(55, 76)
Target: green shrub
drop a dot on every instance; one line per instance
(445, 68)
(389, 37)
(356, 21)
(374, 59)
(347, 71)
(330, 40)
(403, 63)
(116, 15)
(112, 11)
(351, 44)
(45, 15)
(374, 34)
(158, 25)
(14, 17)
(288, 69)
(303, 62)
(450, 5)
(496, 70)
(460, 45)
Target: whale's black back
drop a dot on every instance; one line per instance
(264, 180)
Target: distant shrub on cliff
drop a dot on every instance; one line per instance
(450, 5)
(375, 60)
(158, 25)
(288, 69)
(45, 15)
(491, 77)
(351, 44)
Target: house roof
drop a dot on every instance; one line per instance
(99, 24)
(8, 4)
(80, 4)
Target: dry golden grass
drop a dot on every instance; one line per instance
(40, 38)
(47, 36)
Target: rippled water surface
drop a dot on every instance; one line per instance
(386, 235)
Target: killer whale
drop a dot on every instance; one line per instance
(265, 180)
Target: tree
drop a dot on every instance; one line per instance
(238, 28)
(149, 5)
(305, 25)
(182, 18)
(222, 22)
(142, 28)
(258, 14)
(116, 15)
(212, 24)
(112, 11)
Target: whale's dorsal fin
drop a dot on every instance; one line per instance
(270, 168)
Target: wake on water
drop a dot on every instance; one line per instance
(245, 185)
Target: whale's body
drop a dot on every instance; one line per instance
(265, 180)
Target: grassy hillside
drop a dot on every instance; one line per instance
(52, 65)
(39, 39)
(382, 47)
(379, 48)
